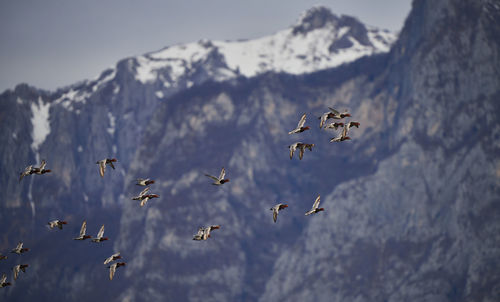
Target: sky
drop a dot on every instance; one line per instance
(54, 43)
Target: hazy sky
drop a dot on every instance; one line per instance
(53, 43)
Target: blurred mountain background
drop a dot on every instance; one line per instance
(412, 202)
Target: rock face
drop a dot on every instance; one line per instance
(411, 202)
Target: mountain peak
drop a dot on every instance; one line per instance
(314, 18)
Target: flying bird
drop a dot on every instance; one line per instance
(17, 268)
(343, 136)
(334, 125)
(83, 229)
(301, 146)
(143, 197)
(353, 124)
(19, 249)
(144, 182)
(300, 126)
(31, 170)
(57, 223)
(99, 237)
(276, 209)
(315, 208)
(112, 268)
(331, 114)
(219, 180)
(102, 165)
(204, 232)
(112, 258)
(3, 281)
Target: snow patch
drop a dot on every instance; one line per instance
(112, 120)
(40, 122)
(159, 94)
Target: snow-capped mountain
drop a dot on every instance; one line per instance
(319, 40)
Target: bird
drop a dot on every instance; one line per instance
(143, 197)
(31, 170)
(102, 165)
(144, 182)
(219, 180)
(57, 223)
(83, 229)
(112, 258)
(343, 136)
(353, 124)
(17, 268)
(3, 280)
(27, 171)
(331, 114)
(19, 249)
(41, 170)
(204, 232)
(315, 208)
(300, 126)
(112, 268)
(276, 209)
(208, 230)
(302, 147)
(199, 235)
(334, 125)
(99, 237)
(2, 257)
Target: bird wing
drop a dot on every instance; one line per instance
(101, 232)
(143, 192)
(15, 269)
(102, 167)
(275, 214)
(144, 201)
(302, 121)
(42, 165)
(212, 177)
(334, 111)
(83, 229)
(323, 119)
(345, 130)
(19, 246)
(112, 270)
(301, 152)
(111, 164)
(3, 279)
(222, 174)
(316, 202)
(292, 149)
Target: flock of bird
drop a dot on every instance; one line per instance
(203, 232)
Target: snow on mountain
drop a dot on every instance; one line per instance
(318, 41)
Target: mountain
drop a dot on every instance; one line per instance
(411, 203)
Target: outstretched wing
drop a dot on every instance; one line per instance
(112, 270)
(43, 164)
(345, 130)
(101, 232)
(143, 192)
(275, 214)
(334, 111)
(212, 177)
(302, 121)
(83, 229)
(3, 279)
(15, 269)
(111, 164)
(316, 202)
(301, 152)
(19, 245)
(102, 168)
(222, 174)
